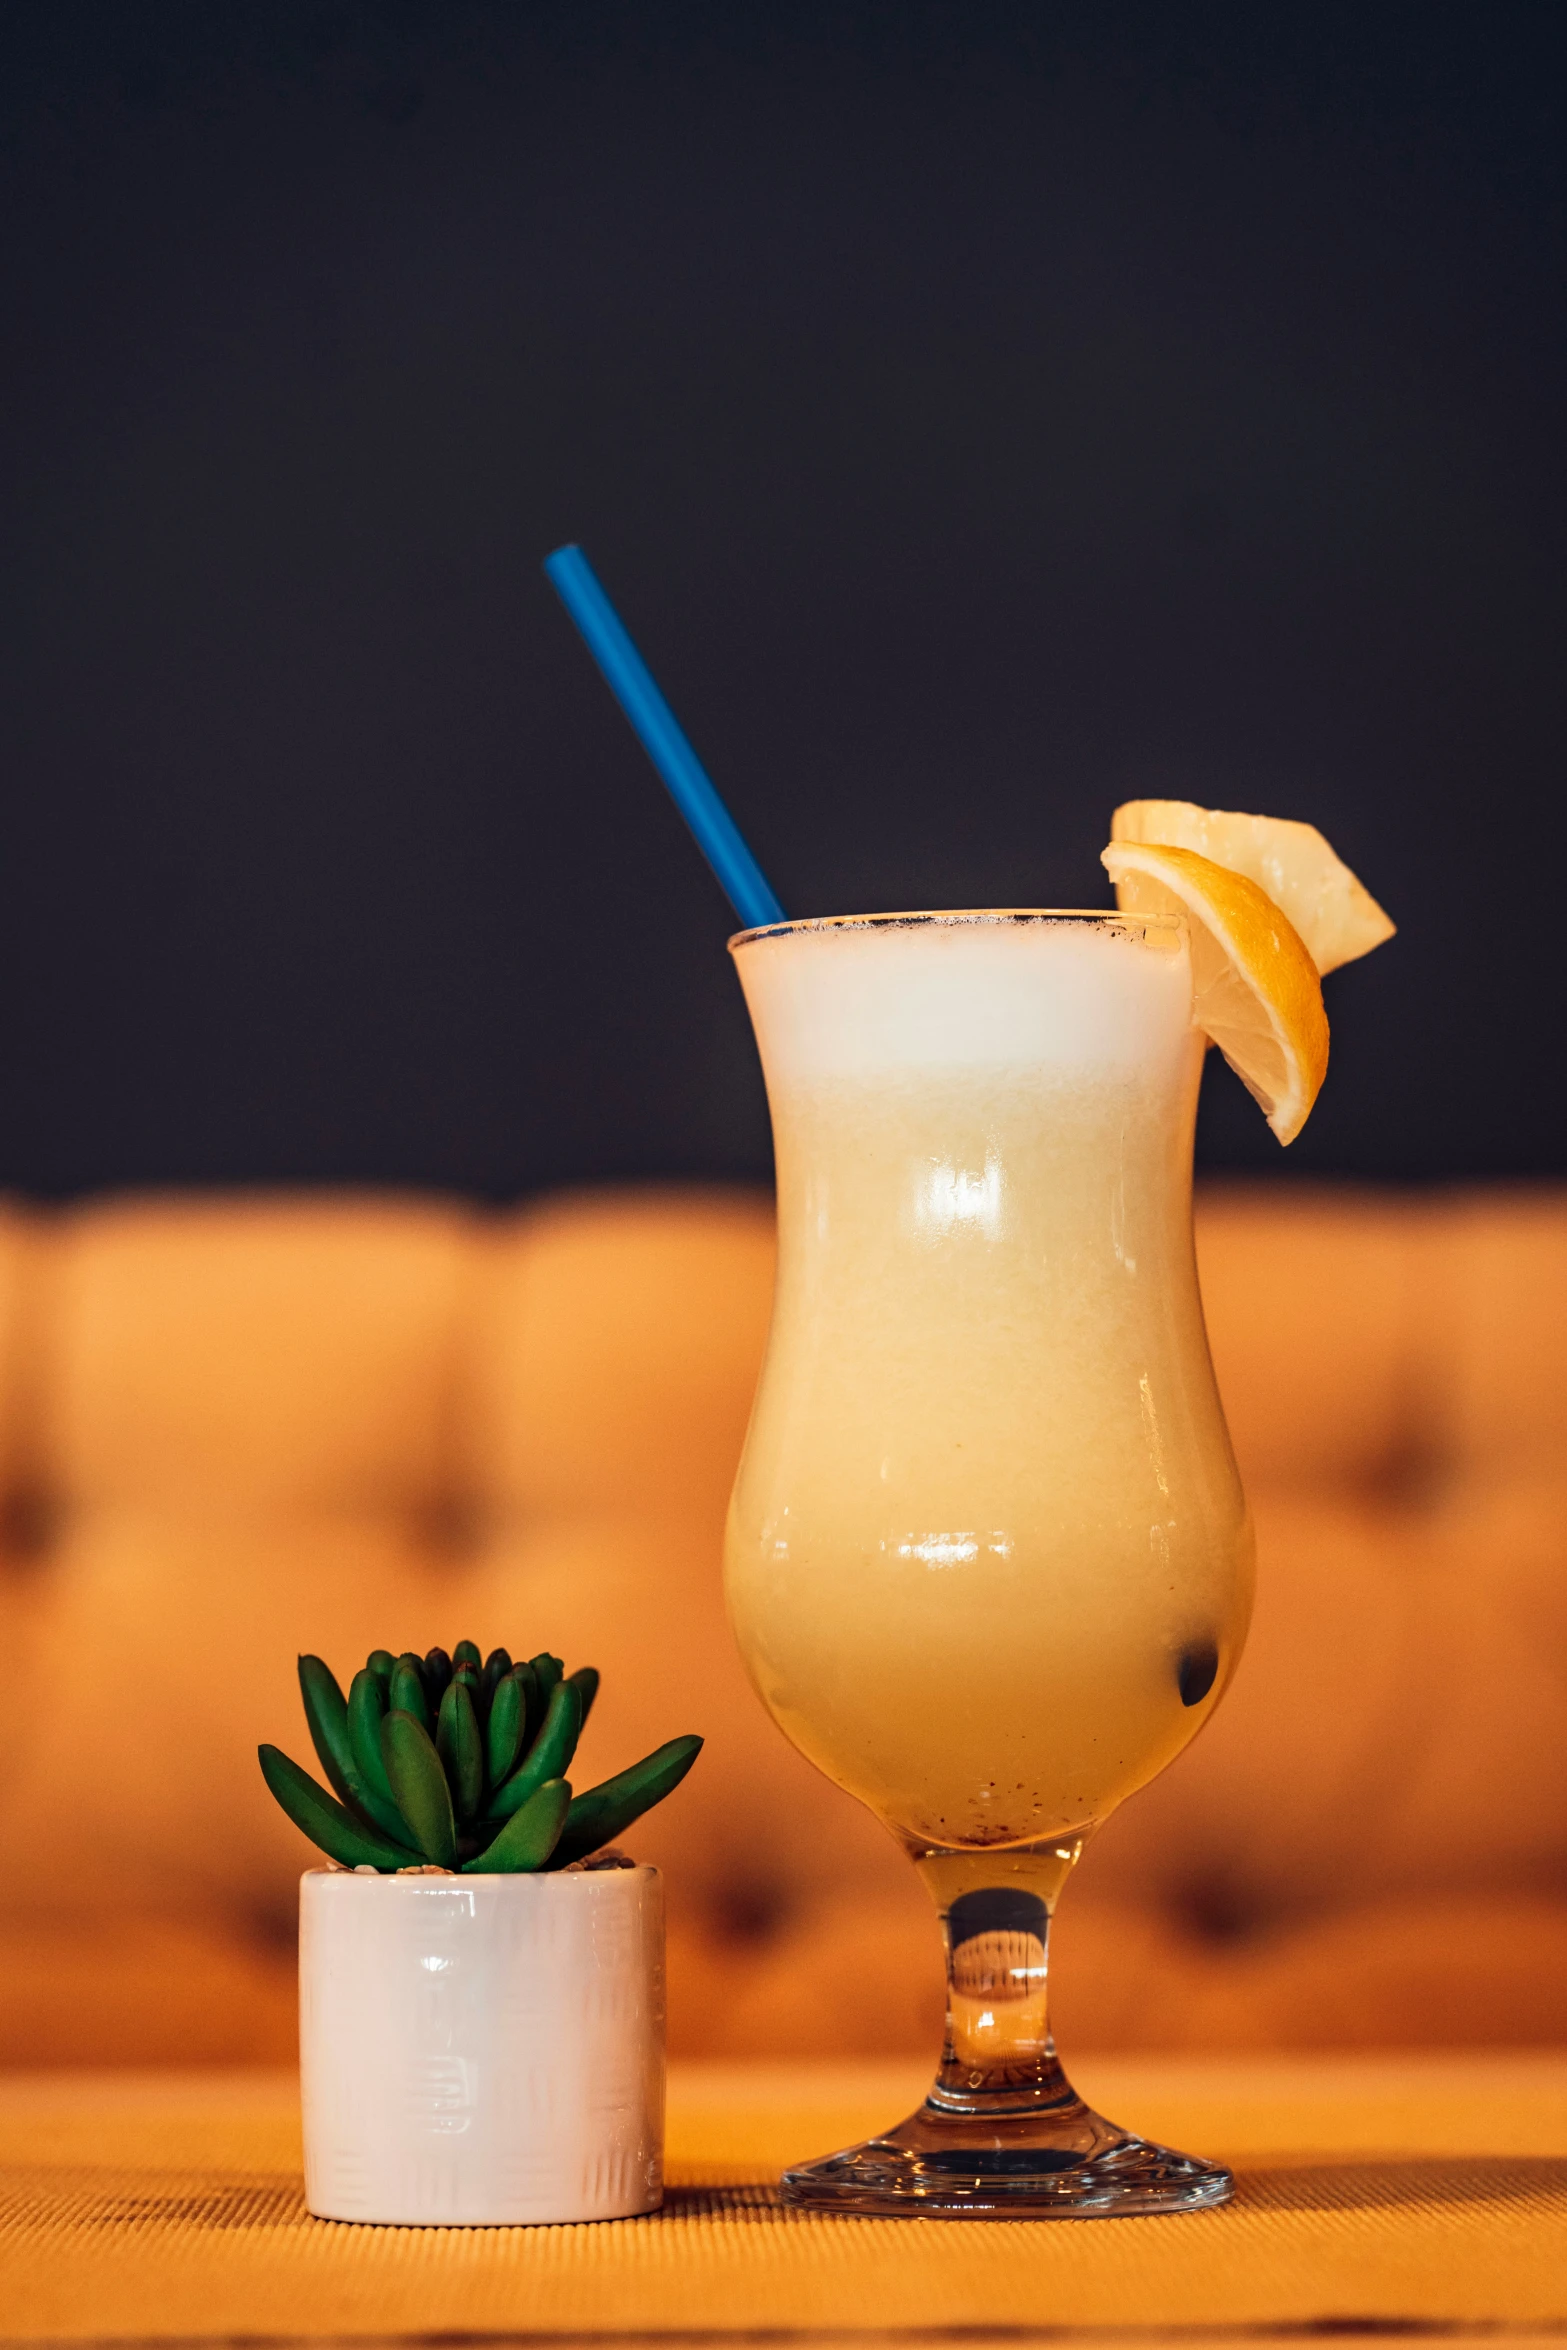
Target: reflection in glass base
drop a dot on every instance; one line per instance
(1064, 2163)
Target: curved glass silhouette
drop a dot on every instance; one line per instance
(988, 1559)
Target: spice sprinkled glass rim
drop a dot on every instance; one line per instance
(958, 917)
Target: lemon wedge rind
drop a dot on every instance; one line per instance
(1334, 913)
(1256, 988)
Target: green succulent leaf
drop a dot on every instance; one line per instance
(461, 1749)
(547, 1671)
(585, 1681)
(323, 1820)
(326, 1712)
(533, 1703)
(423, 1747)
(406, 1695)
(548, 1756)
(503, 1732)
(419, 1785)
(367, 1779)
(602, 1813)
(496, 1665)
(529, 1836)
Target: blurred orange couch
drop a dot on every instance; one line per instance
(234, 1428)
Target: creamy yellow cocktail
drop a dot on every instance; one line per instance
(988, 1558)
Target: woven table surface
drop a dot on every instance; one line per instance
(1409, 2195)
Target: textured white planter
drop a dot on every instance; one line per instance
(482, 2051)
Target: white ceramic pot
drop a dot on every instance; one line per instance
(482, 2051)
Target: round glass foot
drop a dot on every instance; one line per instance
(1069, 2164)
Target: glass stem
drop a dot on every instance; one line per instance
(999, 2059)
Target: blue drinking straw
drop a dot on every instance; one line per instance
(690, 786)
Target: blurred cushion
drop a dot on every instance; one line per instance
(1308, 1300)
(254, 1357)
(231, 1429)
(146, 1991)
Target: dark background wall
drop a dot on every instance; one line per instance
(980, 412)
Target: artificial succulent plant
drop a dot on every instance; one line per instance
(448, 1761)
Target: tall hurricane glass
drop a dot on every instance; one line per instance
(988, 1559)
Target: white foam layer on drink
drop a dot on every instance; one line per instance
(1068, 996)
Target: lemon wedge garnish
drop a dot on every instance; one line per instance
(1334, 914)
(1256, 990)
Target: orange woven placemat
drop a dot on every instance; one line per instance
(1393, 2195)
